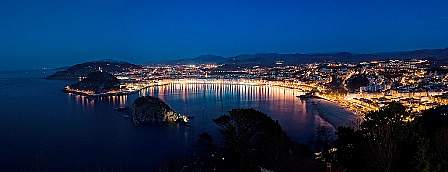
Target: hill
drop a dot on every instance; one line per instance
(98, 82)
(268, 59)
(197, 60)
(83, 69)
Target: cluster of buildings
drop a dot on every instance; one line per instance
(359, 86)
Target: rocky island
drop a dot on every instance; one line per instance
(95, 83)
(153, 110)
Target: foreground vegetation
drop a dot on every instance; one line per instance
(391, 139)
(252, 141)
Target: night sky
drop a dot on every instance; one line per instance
(44, 33)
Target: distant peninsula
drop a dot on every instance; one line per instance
(153, 110)
(83, 69)
(95, 83)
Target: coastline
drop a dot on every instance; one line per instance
(82, 93)
(329, 111)
(333, 113)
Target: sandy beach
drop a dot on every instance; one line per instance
(332, 113)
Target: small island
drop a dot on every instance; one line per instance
(153, 110)
(95, 84)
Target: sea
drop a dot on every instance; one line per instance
(42, 127)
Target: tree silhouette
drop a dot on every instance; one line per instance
(434, 123)
(259, 141)
(387, 141)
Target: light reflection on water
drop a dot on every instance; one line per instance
(231, 92)
(207, 101)
(220, 91)
(85, 101)
(71, 129)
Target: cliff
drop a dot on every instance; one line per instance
(148, 109)
(97, 82)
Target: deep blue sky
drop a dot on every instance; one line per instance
(44, 33)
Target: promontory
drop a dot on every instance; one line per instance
(82, 70)
(95, 83)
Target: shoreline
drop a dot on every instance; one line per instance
(81, 93)
(321, 108)
(333, 113)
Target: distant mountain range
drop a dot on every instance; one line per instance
(436, 56)
(269, 59)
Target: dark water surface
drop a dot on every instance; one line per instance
(73, 132)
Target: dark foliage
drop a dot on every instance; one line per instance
(349, 148)
(252, 140)
(205, 139)
(357, 81)
(322, 140)
(434, 123)
(387, 141)
(257, 141)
